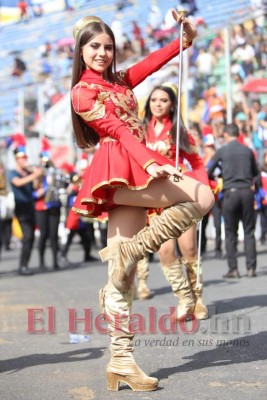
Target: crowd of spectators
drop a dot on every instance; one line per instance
(247, 47)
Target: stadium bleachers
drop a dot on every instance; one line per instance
(24, 38)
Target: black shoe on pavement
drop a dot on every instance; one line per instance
(25, 271)
(89, 258)
(251, 273)
(232, 274)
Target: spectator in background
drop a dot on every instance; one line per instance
(128, 50)
(217, 45)
(259, 127)
(238, 96)
(45, 67)
(216, 105)
(47, 210)
(21, 179)
(238, 166)
(209, 150)
(261, 55)
(7, 206)
(121, 4)
(244, 54)
(138, 39)
(215, 110)
(244, 138)
(19, 67)
(262, 183)
(76, 224)
(238, 35)
(205, 63)
(45, 49)
(23, 9)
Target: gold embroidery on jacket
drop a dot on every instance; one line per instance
(164, 147)
(98, 109)
(126, 108)
(97, 112)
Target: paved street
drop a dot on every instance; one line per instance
(222, 358)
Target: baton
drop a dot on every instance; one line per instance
(176, 178)
(183, 13)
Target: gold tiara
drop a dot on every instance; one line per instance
(81, 23)
(172, 86)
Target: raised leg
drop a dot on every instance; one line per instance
(170, 224)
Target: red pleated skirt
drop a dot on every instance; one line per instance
(112, 167)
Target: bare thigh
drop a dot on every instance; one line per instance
(164, 192)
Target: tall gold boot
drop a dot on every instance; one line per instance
(142, 272)
(122, 366)
(201, 311)
(181, 288)
(170, 224)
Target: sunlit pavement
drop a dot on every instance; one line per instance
(222, 358)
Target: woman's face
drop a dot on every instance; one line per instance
(160, 104)
(98, 53)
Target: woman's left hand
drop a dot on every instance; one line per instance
(190, 29)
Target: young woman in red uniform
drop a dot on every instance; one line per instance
(160, 114)
(125, 178)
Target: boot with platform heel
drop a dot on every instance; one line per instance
(122, 368)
